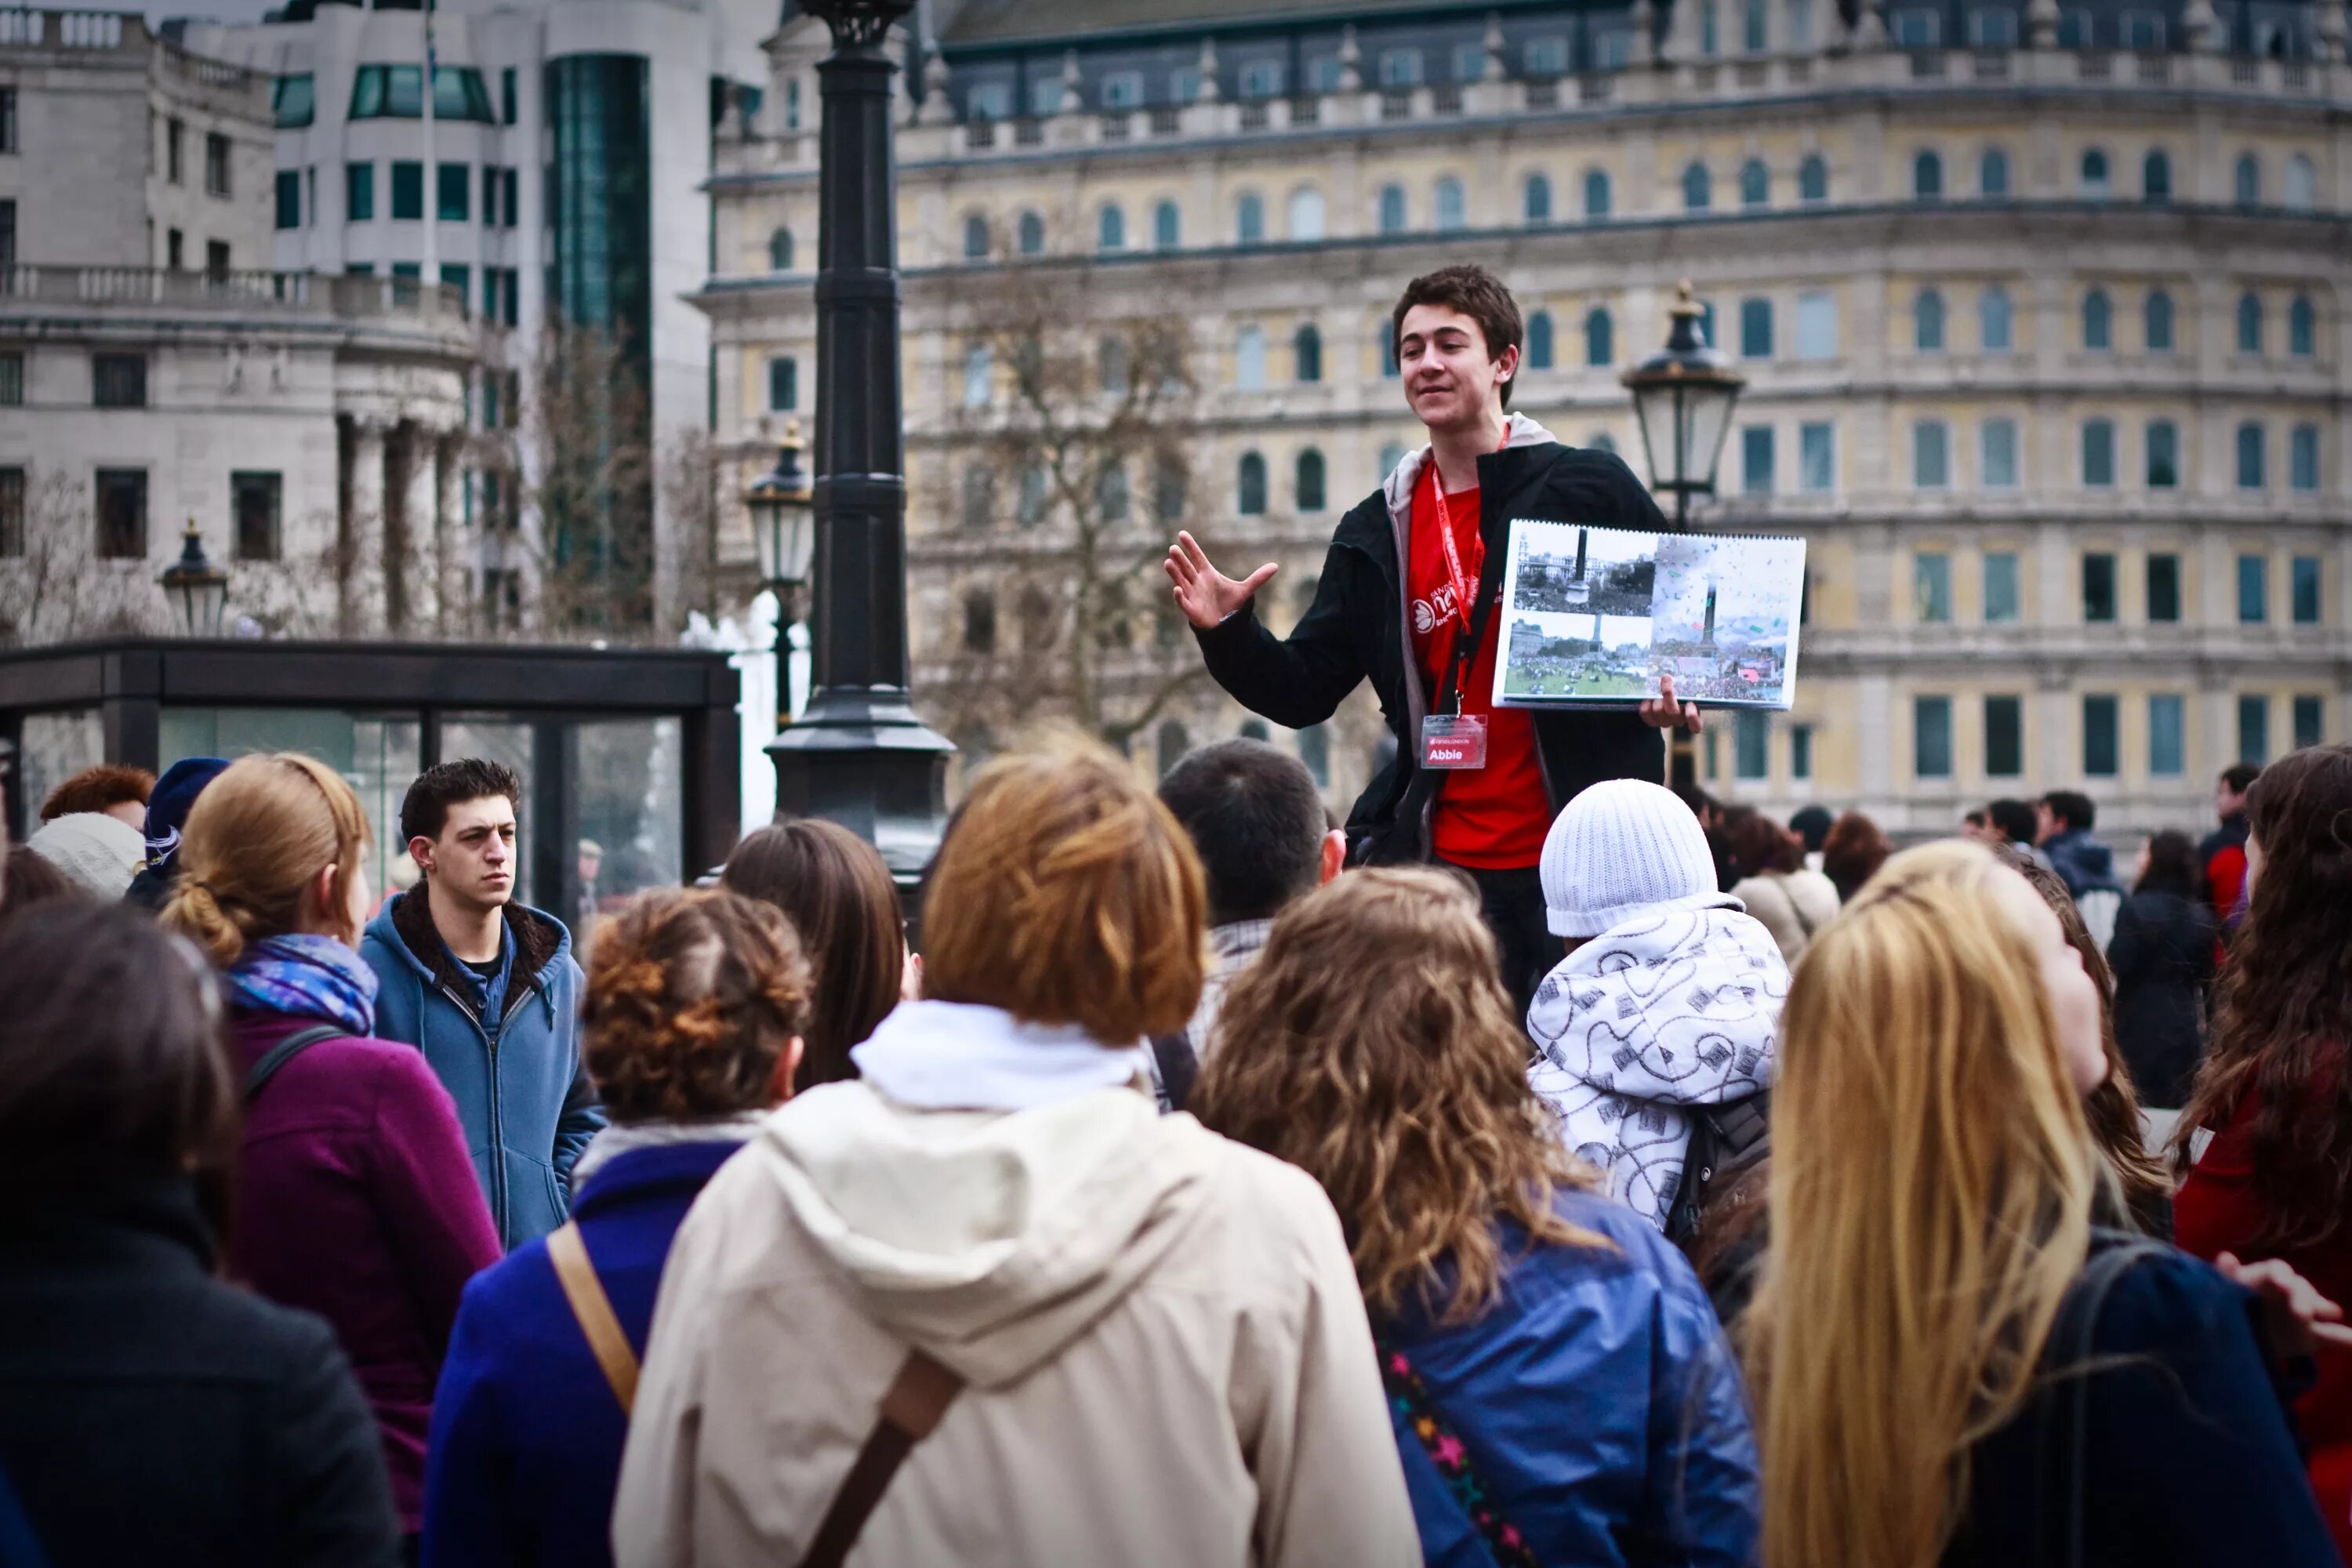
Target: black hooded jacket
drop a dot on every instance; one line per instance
(1356, 630)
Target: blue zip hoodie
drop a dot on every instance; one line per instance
(523, 1095)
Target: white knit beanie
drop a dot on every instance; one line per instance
(1622, 848)
(99, 852)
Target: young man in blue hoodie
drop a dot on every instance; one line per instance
(487, 990)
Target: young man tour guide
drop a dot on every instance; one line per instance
(1408, 600)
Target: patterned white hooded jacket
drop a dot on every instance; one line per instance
(1670, 1009)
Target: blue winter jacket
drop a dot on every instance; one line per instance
(2083, 863)
(527, 1435)
(1601, 1411)
(523, 1096)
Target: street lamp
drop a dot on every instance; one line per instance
(782, 504)
(857, 754)
(196, 587)
(1683, 396)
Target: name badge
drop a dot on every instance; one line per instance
(1453, 740)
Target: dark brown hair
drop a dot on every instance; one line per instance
(1757, 844)
(2283, 1030)
(693, 995)
(114, 1065)
(2171, 866)
(2112, 1108)
(1852, 853)
(425, 809)
(95, 789)
(1372, 1046)
(1478, 294)
(834, 889)
(29, 878)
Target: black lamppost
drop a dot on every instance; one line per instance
(858, 755)
(194, 586)
(1683, 396)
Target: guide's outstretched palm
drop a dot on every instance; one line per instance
(1205, 594)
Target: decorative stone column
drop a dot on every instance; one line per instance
(359, 552)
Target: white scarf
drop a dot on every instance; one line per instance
(960, 1056)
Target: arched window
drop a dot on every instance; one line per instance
(1029, 508)
(2250, 325)
(2249, 180)
(1995, 327)
(1698, 190)
(1535, 199)
(780, 248)
(978, 496)
(1539, 341)
(2302, 185)
(2096, 185)
(2156, 176)
(1305, 213)
(1249, 219)
(1110, 493)
(2302, 329)
(1391, 209)
(1167, 227)
(979, 375)
(1249, 486)
(1755, 183)
(1307, 352)
(975, 240)
(1927, 321)
(979, 622)
(1992, 173)
(1168, 490)
(1927, 175)
(1032, 235)
(1813, 179)
(1308, 479)
(1110, 230)
(2158, 322)
(2099, 321)
(1111, 364)
(1452, 212)
(1600, 338)
(1249, 360)
(1596, 193)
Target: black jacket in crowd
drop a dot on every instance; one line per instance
(1356, 630)
(2162, 953)
(151, 1414)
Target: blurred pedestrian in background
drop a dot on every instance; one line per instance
(115, 788)
(168, 806)
(2162, 955)
(837, 896)
(1774, 885)
(1852, 853)
(98, 853)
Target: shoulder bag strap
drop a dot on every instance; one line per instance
(285, 1051)
(2113, 1254)
(569, 1252)
(1450, 1455)
(911, 1407)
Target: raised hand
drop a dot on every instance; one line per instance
(1205, 594)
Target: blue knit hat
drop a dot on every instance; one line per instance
(168, 803)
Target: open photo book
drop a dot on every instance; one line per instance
(1594, 618)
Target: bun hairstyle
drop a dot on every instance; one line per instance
(693, 996)
(252, 845)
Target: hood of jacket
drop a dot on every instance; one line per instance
(1668, 1010)
(1519, 431)
(405, 925)
(989, 1239)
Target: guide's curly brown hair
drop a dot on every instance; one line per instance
(693, 996)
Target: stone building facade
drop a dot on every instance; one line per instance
(2042, 308)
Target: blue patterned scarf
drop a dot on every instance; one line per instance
(305, 977)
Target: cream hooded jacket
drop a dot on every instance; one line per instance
(1166, 1355)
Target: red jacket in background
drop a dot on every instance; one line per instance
(357, 1201)
(2222, 859)
(2215, 1211)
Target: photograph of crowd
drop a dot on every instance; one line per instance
(1724, 618)
(1585, 571)
(1584, 657)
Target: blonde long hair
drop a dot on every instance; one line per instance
(1933, 1181)
(254, 841)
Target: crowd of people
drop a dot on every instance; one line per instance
(1190, 1199)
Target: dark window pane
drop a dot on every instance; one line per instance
(2099, 737)
(122, 513)
(2309, 720)
(2004, 724)
(119, 381)
(454, 203)
(2255, 730)
(2098, 587)
(2164, 587)
(12, 512)
(2305, 590)
(407, 190)
(359, 192)
(1931, 737)
(255, 500)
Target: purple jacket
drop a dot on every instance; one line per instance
(358, 1202)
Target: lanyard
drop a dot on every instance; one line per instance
(1464, 589)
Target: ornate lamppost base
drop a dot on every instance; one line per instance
(863, 759)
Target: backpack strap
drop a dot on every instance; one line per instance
(2113, 1254)
(285, 1051)
(1450, 1455)
(568, 1251)
(911, 1407)
(1179, 1065)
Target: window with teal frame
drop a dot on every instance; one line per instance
(294, 101)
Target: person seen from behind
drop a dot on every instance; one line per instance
(2013, 823)
(355, 1199)
(1665, 1010)
(1812, 825)
(1852, 853)
(1138, 1341)
(2063, 823)
(2267, 1132)
(150, 1410)
(2222, 858)
(1256, 821)
(487, 990)
(1774, 886)
(98, 853)
(692, 1021)
(115, 788)
(1953, 1364)
(168, 805)
(28, 878)
(1371, 1045)
(836, 894)
(2163, 955)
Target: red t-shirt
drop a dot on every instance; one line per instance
(1494, 817)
